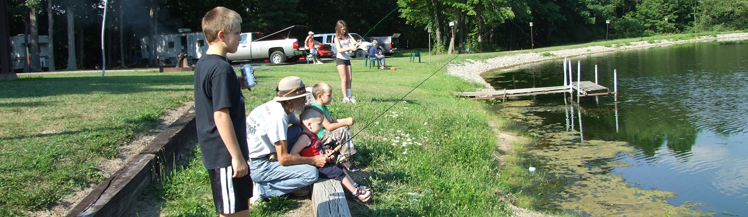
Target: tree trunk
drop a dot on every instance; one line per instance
(121, 37)
(480, 32)
(34, 49)
(81, 58)
(438, 44)
(50, 31)
(152, 35)
(71, 38)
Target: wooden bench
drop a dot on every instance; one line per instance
(328, 199)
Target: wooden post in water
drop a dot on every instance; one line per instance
(564, 72)
(615, 83)
(579, 79)
(595, 74)
(571, 78)
(504, 98)
(597, 99)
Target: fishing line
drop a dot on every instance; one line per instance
(380, 21)
(401, 99)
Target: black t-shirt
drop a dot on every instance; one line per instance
(217, 87)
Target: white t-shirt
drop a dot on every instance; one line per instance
(345, 43)
(266, 125)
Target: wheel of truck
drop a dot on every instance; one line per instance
(277, 57)
(360, 54)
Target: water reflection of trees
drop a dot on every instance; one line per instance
(669, 94)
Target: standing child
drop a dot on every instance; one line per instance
(308, 145)
(309, 43)
(219, 115)
(335, 132)
(344, 44)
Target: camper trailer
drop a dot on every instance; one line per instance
(19, 52)
(168, 47)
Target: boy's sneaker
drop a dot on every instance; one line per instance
(362, 195)
(356, 185)
(352, 99)
(346, 99)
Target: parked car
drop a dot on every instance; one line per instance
(279, 47)
(387, 44)
(326, 38)
(324, 50)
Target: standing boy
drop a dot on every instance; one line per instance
(219, 115)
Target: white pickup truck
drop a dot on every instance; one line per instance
(279, 47)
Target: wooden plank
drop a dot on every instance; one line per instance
(328, 199)
(116, 194)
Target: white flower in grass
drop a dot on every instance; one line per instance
(409, 140)
(426, 124)
(397, 137)
(405, 107)
(377, 122)
(428, 131)
(398, 131)
(418, 143)
(385, 139)
(406, 151)
(394, 144)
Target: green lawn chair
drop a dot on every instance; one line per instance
(415, 53)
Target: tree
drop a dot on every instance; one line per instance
(50, 34)
(72, 63)
(34, 63)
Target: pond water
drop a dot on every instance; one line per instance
(683, 109)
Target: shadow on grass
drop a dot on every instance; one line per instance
(53, 86)
(27, 104)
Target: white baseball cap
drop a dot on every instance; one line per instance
(311, 33)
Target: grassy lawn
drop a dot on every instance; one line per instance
(56, 129)
(431, 143)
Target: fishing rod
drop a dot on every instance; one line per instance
(380, 21)
(393, 105)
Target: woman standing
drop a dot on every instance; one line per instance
(344, 45)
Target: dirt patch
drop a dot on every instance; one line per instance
(110, 166)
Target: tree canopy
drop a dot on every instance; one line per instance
(479, 25)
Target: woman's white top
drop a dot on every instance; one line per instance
(345, 43)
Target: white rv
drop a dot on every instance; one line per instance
(19, 53)
(168, 47)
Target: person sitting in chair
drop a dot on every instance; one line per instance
(374, 54)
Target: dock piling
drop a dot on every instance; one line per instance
(615, 84)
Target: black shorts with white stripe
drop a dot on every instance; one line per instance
(230, 195)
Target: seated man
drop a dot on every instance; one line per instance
(274, 171)
(374, 54)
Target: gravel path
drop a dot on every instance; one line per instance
(472, 69)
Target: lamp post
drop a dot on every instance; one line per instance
(429, 43)
(665, 28)
(607, 24)
(452, 42)
(532, 42)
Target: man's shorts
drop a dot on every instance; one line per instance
(313, 51)
(230, 195)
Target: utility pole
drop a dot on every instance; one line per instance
(452, 42)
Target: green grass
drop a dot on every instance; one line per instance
(453, 170)
(56, 129)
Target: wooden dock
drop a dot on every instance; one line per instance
(585, 88)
